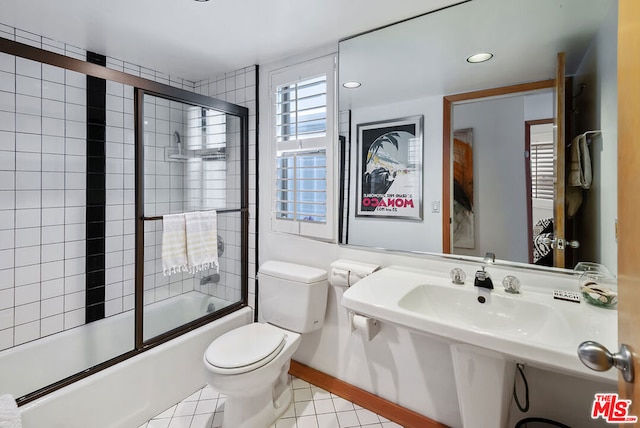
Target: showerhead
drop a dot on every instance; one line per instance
(173, 153)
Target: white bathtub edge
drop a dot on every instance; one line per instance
(130, 393)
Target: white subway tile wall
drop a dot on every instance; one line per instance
(38, 212)
(120, 199)
(239, 87)
(190, 185)
(43, 193)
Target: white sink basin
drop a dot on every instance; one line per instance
(498, 314)
(528, 327)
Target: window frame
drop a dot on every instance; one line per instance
(325, 65)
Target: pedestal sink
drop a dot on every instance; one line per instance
(488, 330)
(503, 315)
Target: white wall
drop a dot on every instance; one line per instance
(415, 235)
(409, 369)
(499, 179)
(499, 170)
(598, 109)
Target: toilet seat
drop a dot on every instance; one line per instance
(245, 348)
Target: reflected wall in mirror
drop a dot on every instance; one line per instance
(425, 61)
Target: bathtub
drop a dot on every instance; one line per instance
(134, 389)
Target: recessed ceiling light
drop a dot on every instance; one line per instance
(352, 84)
(201, 1)
(480, 57)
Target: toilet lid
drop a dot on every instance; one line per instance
(246, 348)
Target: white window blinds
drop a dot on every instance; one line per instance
(301, 110)
(542, 176)
(301, 185)
(303, 139)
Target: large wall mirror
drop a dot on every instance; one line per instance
(489, 131)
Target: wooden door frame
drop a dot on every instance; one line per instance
(559, 196)
(527, 167)
(628, 180)
(448, 101)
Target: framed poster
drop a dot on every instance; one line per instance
(389, 172)
(463, 204)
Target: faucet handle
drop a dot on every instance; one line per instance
(457, 276)
(511, 284)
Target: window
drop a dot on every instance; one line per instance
(301, 185)
(303, 142)
(302, 109)
(542, 170)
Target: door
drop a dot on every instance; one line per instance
(560, 147)
(628, 184)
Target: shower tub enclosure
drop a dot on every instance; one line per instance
(26, 368)
(91, 158)
(127, 394)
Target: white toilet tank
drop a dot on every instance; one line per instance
(292, 296)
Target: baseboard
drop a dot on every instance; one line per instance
(398, 414)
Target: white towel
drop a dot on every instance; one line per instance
(202, 241)
(580, 166)
(174, 244)
(9, 413)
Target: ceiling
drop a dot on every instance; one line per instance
(196, 40)
(427, 56)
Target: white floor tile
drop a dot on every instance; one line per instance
(303, 394)
(390, 425)
(180, 422)
(299, 383)
(186, 408)
(348, 419)
(342, 405)
(329, 420)
(311, 407)
(307, 422)
(206, 406)
(319, 393)
(202, 421)
(304, 408)
(367, 417)
(159, 423)
(324, 406)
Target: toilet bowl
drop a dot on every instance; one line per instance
(250, 364)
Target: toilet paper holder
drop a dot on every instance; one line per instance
(369, 327)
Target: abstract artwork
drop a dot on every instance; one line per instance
(463, 205)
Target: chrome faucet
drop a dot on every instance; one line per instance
(211, 279)
(483, 279)
(489, 258)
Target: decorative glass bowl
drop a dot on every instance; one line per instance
(597, 285)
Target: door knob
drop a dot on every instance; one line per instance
(598, 358)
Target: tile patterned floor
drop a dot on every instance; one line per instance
(312, 407)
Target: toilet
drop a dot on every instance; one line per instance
(250, 364)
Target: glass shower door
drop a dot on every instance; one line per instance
(192, 164)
